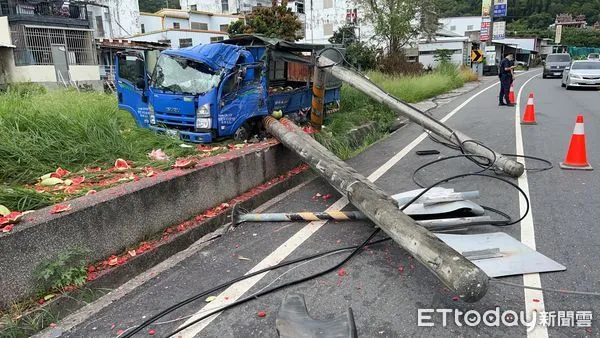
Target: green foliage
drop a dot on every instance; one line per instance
(68, 268)
(13, 325)
(361, 56)
(397, 64)
(151, 6)
(443, 55)
(345, 36)
(393, 20)
(235, 28)
(581, 37)
(276, 21)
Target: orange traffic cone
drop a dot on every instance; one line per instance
(529, 116)
(511, 94)
(577, 155)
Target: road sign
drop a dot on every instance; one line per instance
(476, 55)
(485, 28)
(500, 10)
(485, 7)
(499, 30)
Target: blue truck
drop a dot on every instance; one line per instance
(221, 90)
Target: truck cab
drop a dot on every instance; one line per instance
(219, 90)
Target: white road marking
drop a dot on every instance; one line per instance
(527, 229)
(235, 291)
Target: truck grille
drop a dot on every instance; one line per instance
(175, 121)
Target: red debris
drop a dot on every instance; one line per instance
(261, 314)
(401, 268)
(41, 301)
(91, 192)
(326, 197)
(112, 327)
(60, 208)
(120, 332)
(535, 300)
(93, 170)
(152, 332)
(91, 268)
(59, 173)
(53, 325)
(113, 260)
(455, 298)
(341, 272)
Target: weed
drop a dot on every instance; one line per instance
(68, 268)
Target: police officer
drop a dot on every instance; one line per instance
(506, 76)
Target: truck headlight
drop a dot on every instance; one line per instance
(203, 110)
(152, 118)
(203, 123)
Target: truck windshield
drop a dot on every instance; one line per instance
(180, 75)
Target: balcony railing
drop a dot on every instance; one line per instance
(44, 9)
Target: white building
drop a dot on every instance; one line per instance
(222, 6)
(114, 18)
(461, 25)
(183, 28)
(459, 47)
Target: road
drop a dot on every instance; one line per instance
(383, 285)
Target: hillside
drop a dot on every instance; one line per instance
(151, 6)
(534, 14)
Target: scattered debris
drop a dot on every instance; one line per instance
(121, 165)
(158, 155)
(261, 314)
(210, 299)
(242, 258)
(60, 208)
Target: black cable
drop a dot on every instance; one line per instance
(233, 281)
(298, 281)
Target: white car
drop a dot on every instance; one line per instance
(582, 73)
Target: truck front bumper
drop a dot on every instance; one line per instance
(187, 136)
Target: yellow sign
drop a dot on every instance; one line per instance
(476, 55)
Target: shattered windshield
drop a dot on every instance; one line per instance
(180, 75)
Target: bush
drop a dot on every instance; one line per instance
(397, 64)
(361, 56)
(25, 89)
(68, 268)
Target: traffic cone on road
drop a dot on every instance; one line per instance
(511, 94)
(529, 116)
(577, 155)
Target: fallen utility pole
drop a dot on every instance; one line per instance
(455, 271)
(507, 165)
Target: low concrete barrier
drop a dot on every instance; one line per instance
(113, 219)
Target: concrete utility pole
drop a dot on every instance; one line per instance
(507, 165)
(455, 271)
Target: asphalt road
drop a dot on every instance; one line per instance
(383, 285)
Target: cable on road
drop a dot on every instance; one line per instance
(563, 291)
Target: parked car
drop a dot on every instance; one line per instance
(555, 64)
(593, 56)
(582, 73)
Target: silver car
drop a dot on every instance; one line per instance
(582, 73)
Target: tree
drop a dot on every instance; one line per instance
(396, 22)
(345, 35)
(276, 21)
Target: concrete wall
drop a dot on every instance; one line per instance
(7, 64)
(42, 73)
(152, 23)
(183, 23)
(85, 73)
(198, 37)
(111, 220)
(427, 51)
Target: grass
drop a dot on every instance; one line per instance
(42, 130)
(357, 109)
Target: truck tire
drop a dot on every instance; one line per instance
(242, 133)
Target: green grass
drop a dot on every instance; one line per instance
(357, 109)
(43, 130)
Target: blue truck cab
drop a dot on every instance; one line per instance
(221, 90)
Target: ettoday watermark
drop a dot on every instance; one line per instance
(497, 318)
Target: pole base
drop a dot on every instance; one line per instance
(570, 167)
(528, 123)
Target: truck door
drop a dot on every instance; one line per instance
(241, 98)
(132, 86)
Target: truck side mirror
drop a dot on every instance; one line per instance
(141, 83)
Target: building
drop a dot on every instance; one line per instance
(222, 6)
(53, 42)
(457, 45)
(461, 25)
(183, 28)
(114, 19)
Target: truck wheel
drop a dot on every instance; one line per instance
(242, 133)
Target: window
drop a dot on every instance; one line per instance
(99, 26)
(185, 43)
(225, 6)
(199, 25)
(216, 39)
(469, 27)
(194, 7)
(33, 45)
(277, 70)
(167, 41)
(143, 28)
(131, 68)
(327, 3)
(176, 25)
(223, 28)
(453, 28)
(328, 29)
(300, 8)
